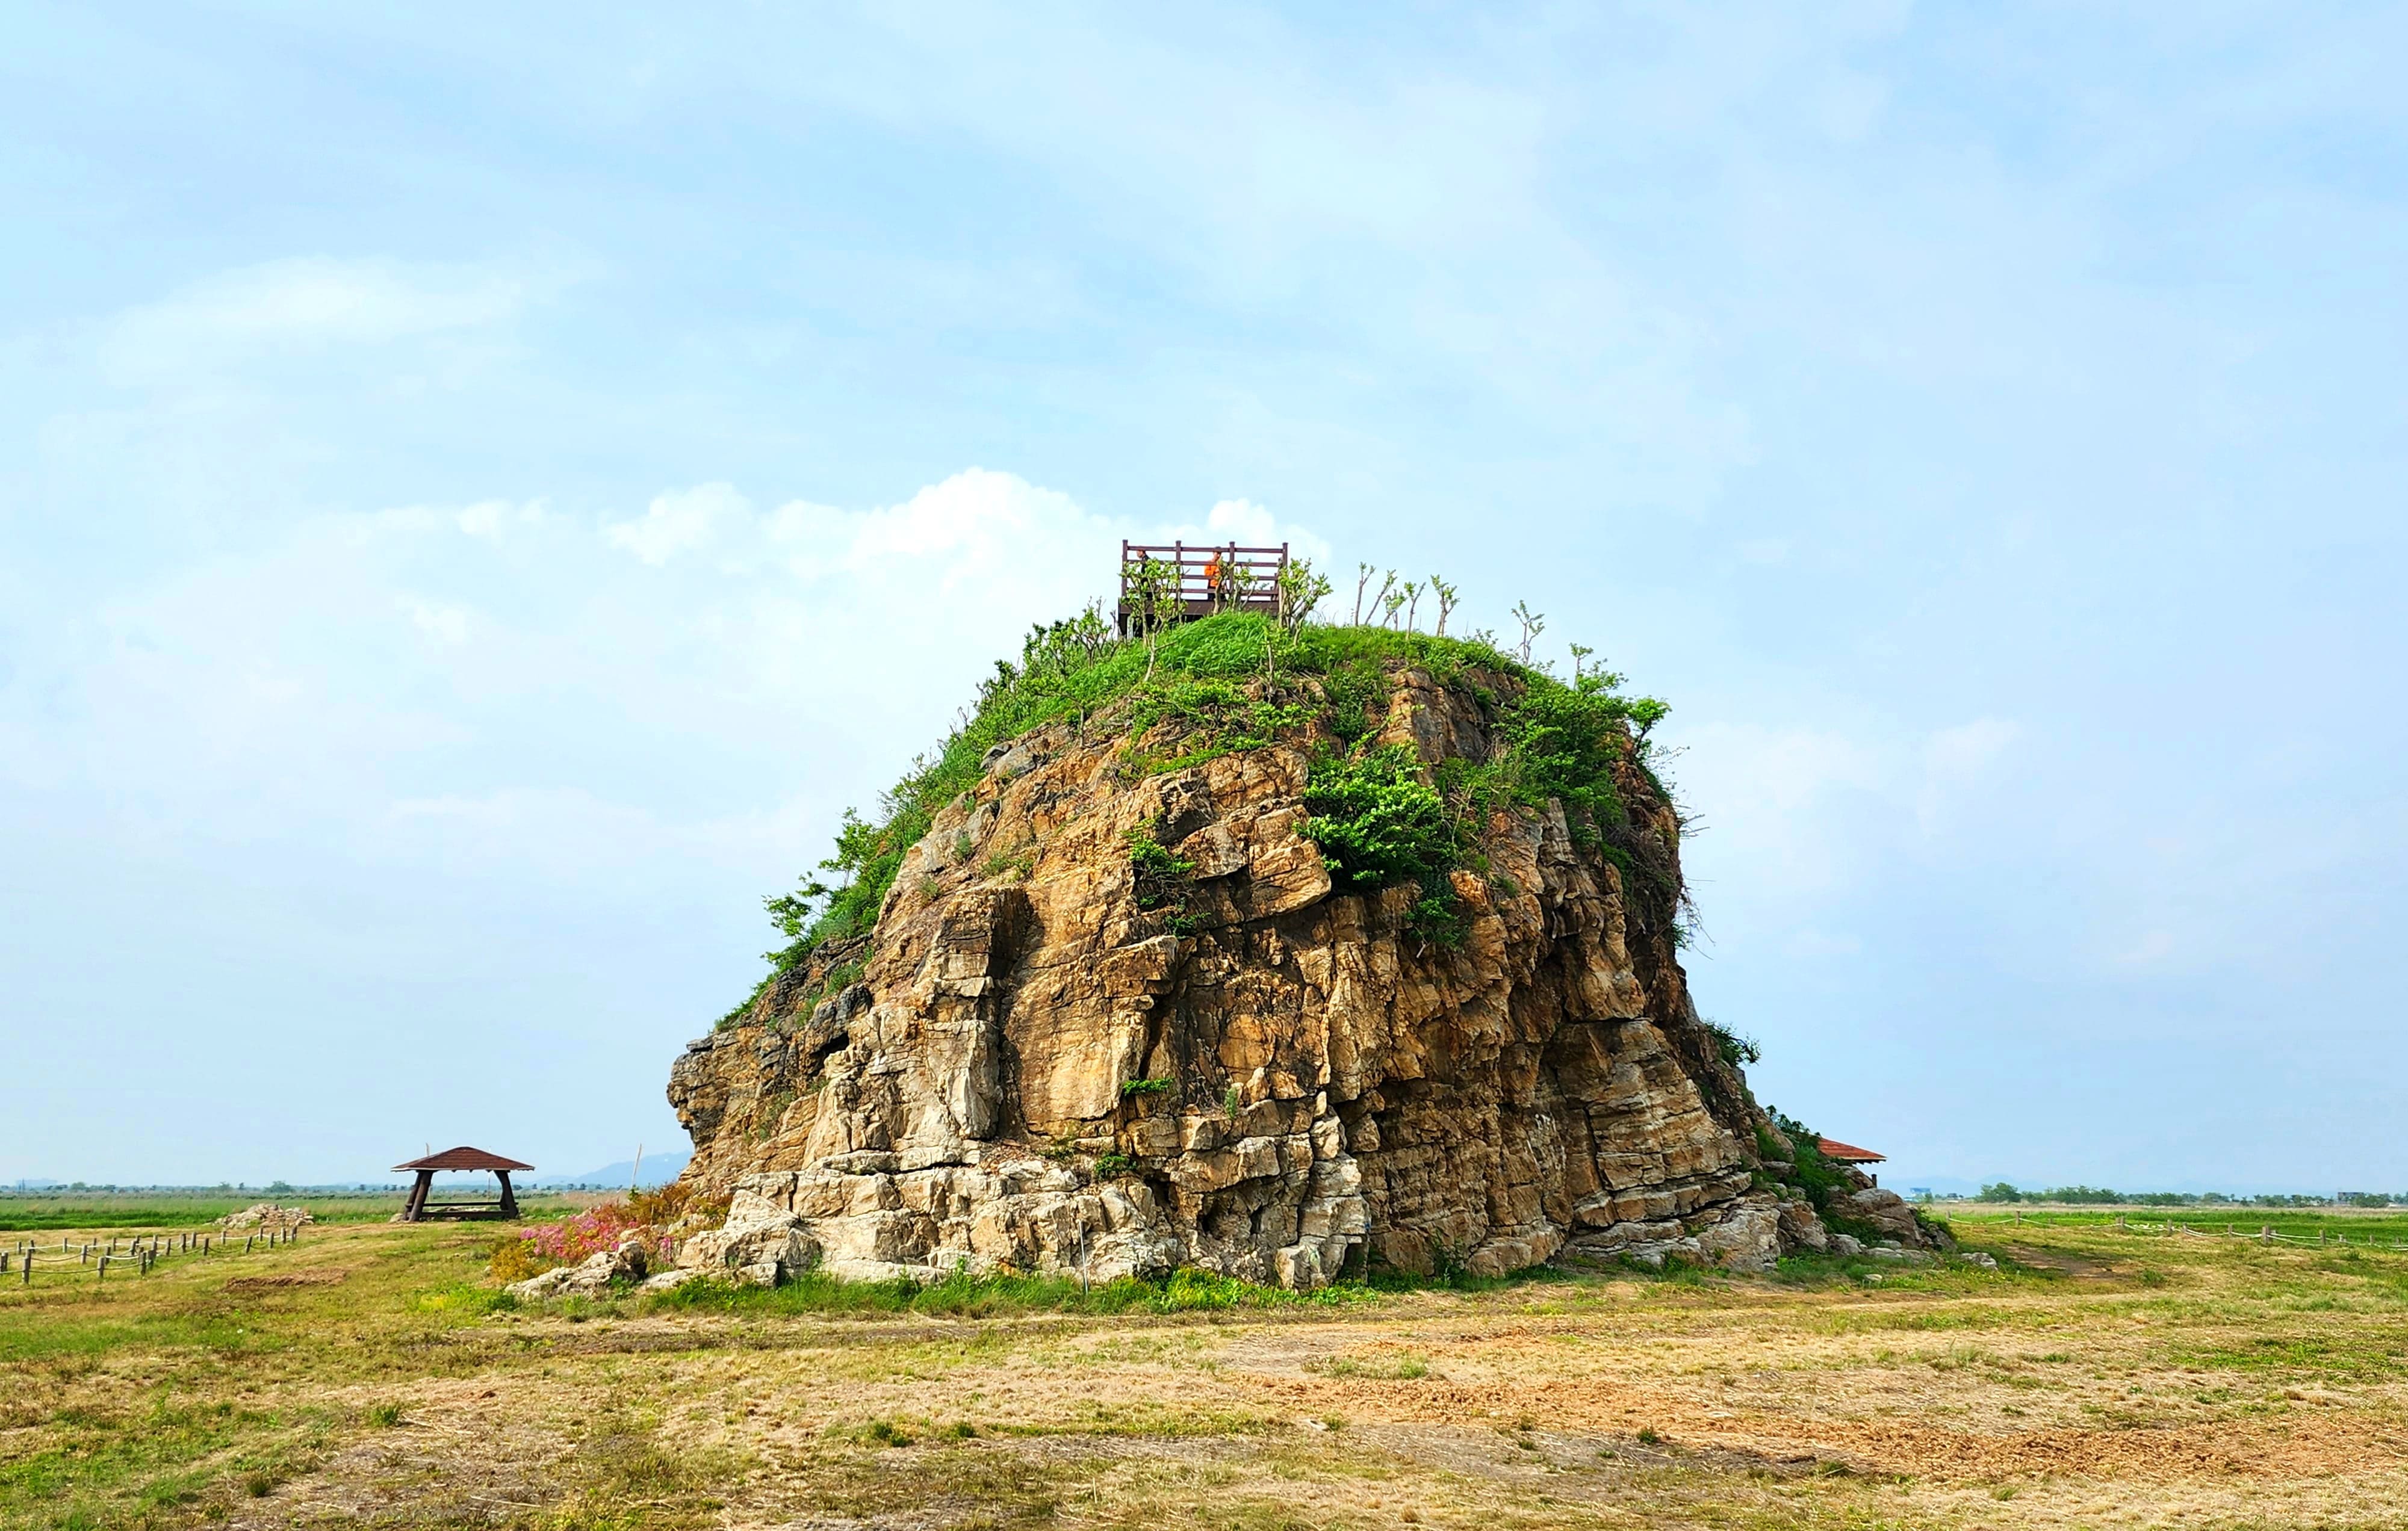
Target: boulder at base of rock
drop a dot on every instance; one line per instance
(755, 1235)
(627, 1263)
(1800, 1229)
(1747, 1239)
(1889, 1213)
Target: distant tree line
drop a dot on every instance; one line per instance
(2099, 1195)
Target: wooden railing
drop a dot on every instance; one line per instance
(1205, 578)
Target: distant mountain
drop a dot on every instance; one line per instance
(659, 1169)
(1939, 1185)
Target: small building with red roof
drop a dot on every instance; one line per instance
(1848, 1153)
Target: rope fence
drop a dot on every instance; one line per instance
(129, 1254)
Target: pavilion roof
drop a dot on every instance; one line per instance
(1848, 1153)
(464, 1158)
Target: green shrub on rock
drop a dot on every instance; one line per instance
(1377, 821)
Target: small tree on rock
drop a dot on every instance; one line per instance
(1300, 589)
(1153, 602)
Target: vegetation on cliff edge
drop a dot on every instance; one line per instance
(1240, 681)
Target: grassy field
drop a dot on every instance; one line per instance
(368, 1375)
(22, 1212)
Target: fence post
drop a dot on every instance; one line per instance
(103, 1269)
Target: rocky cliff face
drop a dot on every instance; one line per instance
(1046, 1058)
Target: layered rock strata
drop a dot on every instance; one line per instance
(1026, 1067)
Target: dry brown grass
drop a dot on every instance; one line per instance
(365, 1377)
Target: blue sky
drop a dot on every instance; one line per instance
(483, 491)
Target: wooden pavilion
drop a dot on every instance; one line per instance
(418, 1209)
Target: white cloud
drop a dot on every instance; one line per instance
(1799, 813)
(1785, 807)
(969, 561)
(301, 304)
(437, 621)
(493, 519)
(799, 655)
(1251, 526)
(681, 521)
(979, 528)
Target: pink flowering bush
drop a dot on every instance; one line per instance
(590, 1232)
(571, 1241)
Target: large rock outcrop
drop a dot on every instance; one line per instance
(1039, 1062)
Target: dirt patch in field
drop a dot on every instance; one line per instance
(2059, 1262)
(2290, 1447)
(286, 1279)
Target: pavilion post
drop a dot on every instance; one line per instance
(510, 1202)
(414, 1210)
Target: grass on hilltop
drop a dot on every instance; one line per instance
(1240, 681)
